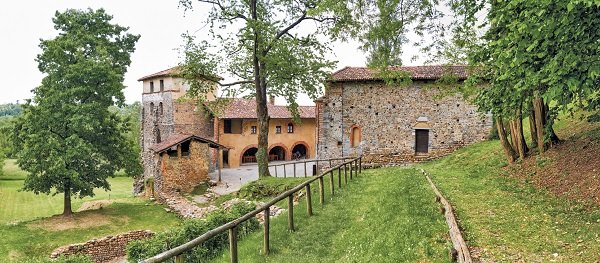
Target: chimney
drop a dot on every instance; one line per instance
(272, 99)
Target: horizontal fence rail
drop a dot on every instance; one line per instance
(316, 162)
(353, 166)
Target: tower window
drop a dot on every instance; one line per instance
(162, 85)
(151, 87)
(253, 129)
(277, 129)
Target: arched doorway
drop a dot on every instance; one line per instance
(277, 153)
(249, 156)
(300, 151)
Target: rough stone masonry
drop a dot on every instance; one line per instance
(360, 114)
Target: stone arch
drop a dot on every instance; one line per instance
(286, 153)
(245, 150)
(355, 135)
(308, 150)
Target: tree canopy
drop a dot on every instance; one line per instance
(67, 138)
(278, 47)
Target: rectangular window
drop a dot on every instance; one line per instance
(185, 148)
(162, 85)
(151, 87)
(277, 129)
(227, 126)
(253, 129)
(290, 128)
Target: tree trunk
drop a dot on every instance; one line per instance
(67, 201)
(261, 102)
(532, 128)
(522, 144)
(552, 137)
(538, 109)
(508, 150)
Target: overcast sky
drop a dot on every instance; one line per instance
(159, 22)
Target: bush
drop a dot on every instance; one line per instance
(142, 249)
(268, 187)
(61, 259)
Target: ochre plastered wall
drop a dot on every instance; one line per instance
(304, 133)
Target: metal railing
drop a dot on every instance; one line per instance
(354, 166)
(304, 162)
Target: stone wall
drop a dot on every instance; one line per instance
(162, 116)
(182, 173)
(387, 117)
(103, 249)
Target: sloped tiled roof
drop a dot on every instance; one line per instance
(246, 109)
(164, 73)
(179, 138)
(416, 72)
(171, 72)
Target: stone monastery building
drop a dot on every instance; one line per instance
(360, 114)
(178, 134)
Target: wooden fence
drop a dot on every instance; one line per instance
(353, 166)
(330, 161)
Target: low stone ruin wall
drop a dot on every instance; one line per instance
(103, 249)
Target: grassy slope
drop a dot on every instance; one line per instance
(23, 206)
(21, 239)
(389, 215)
(507, 220)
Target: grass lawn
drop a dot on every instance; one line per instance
(386, 215)
(510, 221)
(27, 227)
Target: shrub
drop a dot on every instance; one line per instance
(61, 259)
(268, 187)
(190, 229)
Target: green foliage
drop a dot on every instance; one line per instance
(61, 259)
(268, 187)
(132, 115)
(6, 136)
(10, 109)
(139, 250)
(67, 137)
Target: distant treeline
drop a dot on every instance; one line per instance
(10, 109)
(8, 112)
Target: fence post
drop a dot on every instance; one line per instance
(233, 245)
(294, 170)
(350, 164)
(321, 191)
(266, 216)
(355, 163)
(360, 164)
(275, 170)
(179, 258)
(308, 201)
(284, 171)
(339, 177)
(345, 174)
(291, 212)
(332, 185)
(329, 163)
(304, 168)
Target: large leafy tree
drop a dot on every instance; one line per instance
(68, 140)
(539, 58)
(278, 48)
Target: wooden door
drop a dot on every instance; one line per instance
(421, 141)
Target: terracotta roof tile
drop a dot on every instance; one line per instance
(246, 109)
(171, 72)
(164, 73)
(417, 72)
(179, 138)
